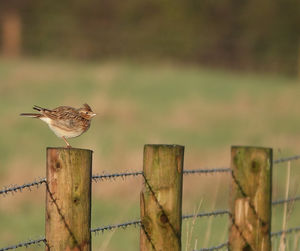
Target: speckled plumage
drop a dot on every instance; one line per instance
(65, 121)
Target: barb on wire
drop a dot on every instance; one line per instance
(15, 188)
(287, 231)
(205, 171)
(296, 157)
(116, 226)
(138, 222)
(207, 214)
(25, 244)
(282, 201)
(102, 177)
(220, 246)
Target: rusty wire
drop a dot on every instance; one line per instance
(137, 223)
(207, 171)
(287, 159)
(206, 214)
(11, 189)
(25, 244)
(283, 201)
(124, 225)
(287, 231)
(218, 247)
(113, 176)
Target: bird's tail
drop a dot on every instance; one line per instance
(31, 115)
(35, 115)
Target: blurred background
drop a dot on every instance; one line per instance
(205, 74)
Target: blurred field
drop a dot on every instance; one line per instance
(205, 110)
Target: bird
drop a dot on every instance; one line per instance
(65, 121)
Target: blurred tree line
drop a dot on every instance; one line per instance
(250, 34)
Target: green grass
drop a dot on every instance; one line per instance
(206, 110)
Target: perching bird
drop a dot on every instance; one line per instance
(64, 121)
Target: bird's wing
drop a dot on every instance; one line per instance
(64, 116)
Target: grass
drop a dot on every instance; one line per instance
(207, 110)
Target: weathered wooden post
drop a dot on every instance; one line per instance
(161, 198)
(10, 20)
(250, 199)
(298, 60)
(68, 199)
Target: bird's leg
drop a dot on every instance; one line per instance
(68, 145)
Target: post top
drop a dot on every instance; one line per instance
(163, 145)
(67, 148)
(252, 147)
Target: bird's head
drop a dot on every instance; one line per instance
(86, 112)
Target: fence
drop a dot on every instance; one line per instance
(160, 223)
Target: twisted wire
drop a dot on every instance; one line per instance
(283, 201)
(15, 188)
(206, 214)
(101, 177)
(116, 226)
(291, 158)
(287, 231)
(220, 246)
(138, 222)
(25, 244)
(206, 171)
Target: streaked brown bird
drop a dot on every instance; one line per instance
(65, 121)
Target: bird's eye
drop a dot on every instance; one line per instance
(86, 113)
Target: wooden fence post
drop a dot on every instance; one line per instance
(161, 198)
(10, 20)
(68, 199)
(250, 205)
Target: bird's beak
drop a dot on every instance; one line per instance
(93, 115)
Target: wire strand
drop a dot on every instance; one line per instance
(15, 188)
(116, 226)
(287, 231)
(206, 214)
(101, 177)
(283, 201)
(278, 161)
(25, 244)
(220, 246)
(205, 171)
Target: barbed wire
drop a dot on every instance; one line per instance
(287, 231)
(273, 234)
(206, 171)
(283, 201)
(287, 159)
(228, 169)
(19, 188)
(220, 246)
(15, 188)
(206, 214)
(113, 176)
(116, 226)
(137, 223)
(25, 244)
(101, 177)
